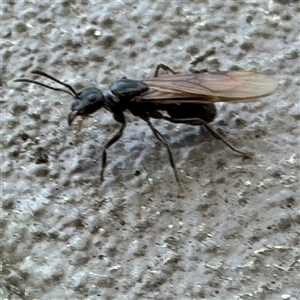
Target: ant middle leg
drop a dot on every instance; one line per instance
(159, 136)
(164, 67)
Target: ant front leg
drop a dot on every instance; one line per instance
(164, 67)
(198, 121)
(119, 118)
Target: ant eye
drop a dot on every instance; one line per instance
(92, 98)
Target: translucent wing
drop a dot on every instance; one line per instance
(231, 86)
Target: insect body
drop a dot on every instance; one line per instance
(184, 98)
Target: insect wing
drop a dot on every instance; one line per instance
(231, 86)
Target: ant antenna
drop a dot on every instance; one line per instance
(72, 93)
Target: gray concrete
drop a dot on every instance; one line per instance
(235, 235)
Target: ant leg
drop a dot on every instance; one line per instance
(115, 138)
(198, 121)
(171, 159)
(164, 67)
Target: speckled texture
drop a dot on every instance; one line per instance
(235, 235)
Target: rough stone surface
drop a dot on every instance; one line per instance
(235, 235)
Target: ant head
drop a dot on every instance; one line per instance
(86, 102)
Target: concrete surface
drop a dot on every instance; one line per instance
(235, 235)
